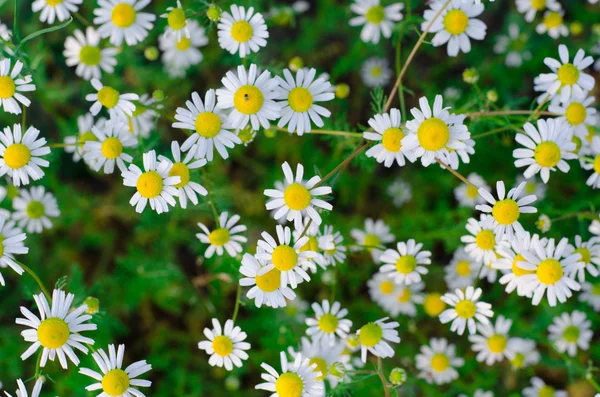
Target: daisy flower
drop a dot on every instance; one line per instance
(526, 354)
(590, 293)
(57, 330)
(123, 19)
(297, 199)
(468, 195)
(481, 240)
(567, 78)
(75, 143)
(242, 31)
(590, 257)
(375, 235)
(177, 24)
(406, 265)
(143, 119)
(84, 53)
(377, 19)
(180, 54)
(433, 304)
(400, 191)
(510, 260)
(55, 9)
(225, 346)
(330, 244)
(533, 186)
(329, 322)
(505, 212)
(108, 148)
(465, 309)
(438, 362)
(299, 100)
(404, 300)
(594, 179)
(513, 45)
(374, 338)
(5, 32)
(381, 289)
(492, 344)
(463, 154)
(331, 361)
(118, 105)
(462, 269)
(250, 98)
(388, 133)
(552, 268)
(311, 230)
(553, 24)
(577, 113)
(11, 243)
(34, 208)
(538, 388)
(285, 257)
(186, 188)
(20, 155)
(456, 25)
(531, 7)
(570, 332)
(113, 380)
(225, 238)
(22, 392)
(11, 87)
(376, 72)
(431, 135)
(265, 288)
(153, 185)
(298, 378)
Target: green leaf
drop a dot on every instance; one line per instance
(44, 31)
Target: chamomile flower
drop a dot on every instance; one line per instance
(5, 32)
(376, 72)
(432, 134)
(373, 238)
(381, 289)
(513, 45)
(577, 112)
(75, 143)
(571, 331)
(34, 208)
(567, 78)
(505, 211)
(525, 353)
(438, 362)
(553, 24)
(11, 87)
(52, 10)
(118, 105)
(388, 133)
(466, 308)
(242, 31)
(297, 379)
(22, 392)
(84, 53)
(11, 243)
(123, 20)
(462, 269)
(299, 100)
(481, 240)
(143, 118)
(590, 257)
(377, 19)
(539, 388)
(550, 267)
(58, 329)
(463, 154)
(330, 245)
(331, 361)
(226, 345)
(374, 338)
(298, 199)
(456, 25)
(177, 24)
(406, 265)
(468, 195)
(400, 191)
(590, 293)
(493, 344)
(531, 7)
(153, 185)
(329, 322)
(20, 155)
(433, 304)
(594, 179)
(225, 238)
(511, 257)
(265, 288)
(181, 53)
(404, 300)
(533, 186)
(113, 380)
(108, 148)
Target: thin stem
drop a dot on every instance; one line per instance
(210, 200)
(492, 132)
(456, 173)
(584, 214)
(508, 113)
(36, 278)
(24, 118)
(343, 164)
(327, 132)
(62, 145)
(305, 229)
(38, 369)
(238, 295)
(401, 86)
(81, 19)
(382, 377)
(537, 110)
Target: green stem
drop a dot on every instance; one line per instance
(343, 164)
(509, 113)
(15, 24)
(492, 132)
(81, 19)
(584, 214)
(24, 118)
(63, 145)
(456, 173)
(38, 369)
(327, 132)
(382, 377)
(36, 278)
(210, 200)
(238, 295)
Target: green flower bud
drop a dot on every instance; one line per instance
(342, 91)
(214, 13)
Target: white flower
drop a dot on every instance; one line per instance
(381, 289)
(11, 243)
(481, 240)
(153, 185)
(594, 179)
(251, 98)
(403, 300)
(571, 331)
(456, 25)
(433, 134)
(225, 346)
(118, 105)
(374, 338)
(577, 113)
(462, 269)
(266, 287)
(373, 238)
(225, 238)
(143, 119)
(329, 322)
(331, 361)
(55, 9)
(114, 381)
(112, 137)
(492, 344)
(531, 7)
(388, 133)
(590, 257)
(590, 293)
(5, 32)
(75, 143)
(57, 330)
(467, 195)
(406, 265)
(438, 362)
(181, 53)
(330, 244)
(533, 186)
(300, 377)
(34, 208)
(538, 389)
(11, 87)
(594, 227)
(122, 19)
(553, 24)
(376, 19)
(242, 31)
(20, 155)
(513, 45)
(22, 392)
(400, 191)
(466, 308)
(83, 52)
(177, 24)
(376, 72)
(526, 353)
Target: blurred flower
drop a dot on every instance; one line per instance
(438, 362)
(571, 331)
(377, 19)
(376, 72)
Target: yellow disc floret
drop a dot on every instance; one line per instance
(53, 333)
(516, 269)
(123, 15)
(497, 343)
(241, 31)
(222, 345)
(571, 334)
(328, 323)
(289, 384)
(297, 197)
(320, 366)
(553, 20)
(406, 264)
(248, 99)
(576, 113)
(182, 171)
(433, 134)
(176, 19)
(183, 44)
(53, 3)
(35, 210)
(597, 164)
(375, 15)
(485, 240)
(546, 391)
(391, 139)
(440, 362)
(115, 382)
(108, 97)
(269, 281)
(370, 334)
(547, 154)
(208, 124)
(433, 304)
(386, 287)
(219, 237)
(284, 258)
(150, 184)
(463, 268)
(456, 22)
(506, 211)
(90, 56)
(112, 148)
(300, 99)
(538, 5)
(465, 309)
(568, 73)
(7, 87)
(17, 155)
(549, 271)
(586, 255)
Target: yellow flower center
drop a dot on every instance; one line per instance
(392, 138)
(328, 323)
(284, 258)
(576, 113)
(300, 99)
(465, 309)
(149, 184)
(112, 148)
(546, 391)
(35, 210)
(219, 237)
(248, 99)
(1, 245)
(371, 241)
(497, 343)
(123, 15)
(596, 289)
(456, 22)
(440, 362)
(568, 74)
(472, 191)
(296, 196)
(289, 385)
(108, 97)
(53, 3)
(406, 264)
(516, 269)
(571, 334)
(183, 44)
(87, 136)
(269, 281)
(549, 271)
(7, 87)
(433, 134)
(404, 296)
(538, 5)
(311, 245)
(547, 154)
(53, 333)
(433, 304)
(115, 382)
(577, 141)
(321, 366)
(553, 20)
(222, 345)
(586, 255)
(182, 171)
(375, 15)
(597, 164)
(506, 211)
(485, 240)
(518, 361)
(17, 155)
(463, 268)
(241, 31)
(208, 124)
(90, 55)
(376, 71)
(370, 334)
(386, 287)
(176, 18)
